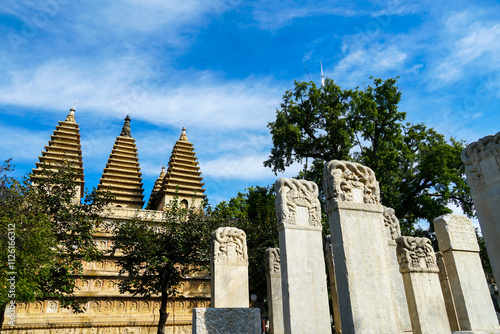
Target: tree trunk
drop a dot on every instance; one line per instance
(163, 312)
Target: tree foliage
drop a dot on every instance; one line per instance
(419, 171)
(45, 236)
(158, 255)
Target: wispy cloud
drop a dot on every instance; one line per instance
(164, 97)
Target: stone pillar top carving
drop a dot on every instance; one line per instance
(476, 151)
(391, 223)
(297, 203)
(229, 245)
(273, 265)
(455, 232)
(482, 162)
(416, 254)
(350, 182)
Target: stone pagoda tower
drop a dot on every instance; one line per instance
(122, 174)
(64, 147)
(183, 177)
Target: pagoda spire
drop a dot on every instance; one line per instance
(64, 147)
(122, 175)
(157, 186)
(182, 178)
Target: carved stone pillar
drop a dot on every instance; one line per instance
(482, 167)
(448, 296)
(330, 264)
(303, 275)
(393, 231)
(229, 268)
(417, 263)
(368, 302)
(274, 299)
(458, 244)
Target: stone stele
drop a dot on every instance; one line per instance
(417, 263)
(226, 321)
(330, 264)
(303, 274)
(482, 167)
(393, 230)
(229, 268)
(366, 291)
(458, 244)
(274, 293)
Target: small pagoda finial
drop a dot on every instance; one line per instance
(71, 115)
(126, 131)
(183, 135)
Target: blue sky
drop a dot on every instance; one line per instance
(222, 67)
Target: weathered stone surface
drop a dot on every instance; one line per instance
(303, 274)
(449, 302)
(417, 263)
(458, 243)
(274, 291)
(361, 255)
(482, 167)
(393, 230)
(226, 320)
(229, 268)
(330, 265)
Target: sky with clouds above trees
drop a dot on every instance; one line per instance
(222, 67)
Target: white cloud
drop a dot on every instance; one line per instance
(246, 166)
(106, 88)
(374, 60)
(472, 47)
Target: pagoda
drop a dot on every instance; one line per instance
(182, 179)
(64, 147)
(122, 174)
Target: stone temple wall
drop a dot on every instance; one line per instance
(108, 311)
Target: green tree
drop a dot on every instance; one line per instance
(45, 235)
(419, 171)
(158, 255)
(253, 211)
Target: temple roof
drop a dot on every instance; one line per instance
(183, 174)
(64, 146)
(122, 174)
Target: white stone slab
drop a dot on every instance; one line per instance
(274, 291)
(458, 243)
(226, 321)
(417, 263)
(229, 268)
(330, 264)
(303, 274)
(393, 231)
(482, 167)
(367, 296)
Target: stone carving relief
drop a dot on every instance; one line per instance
(328, 247)
(416, 254)
(293, 195)
(475, 152)
(51, 307)
(350, 182)
(273, 265)
(229, 244)
(391, 223)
